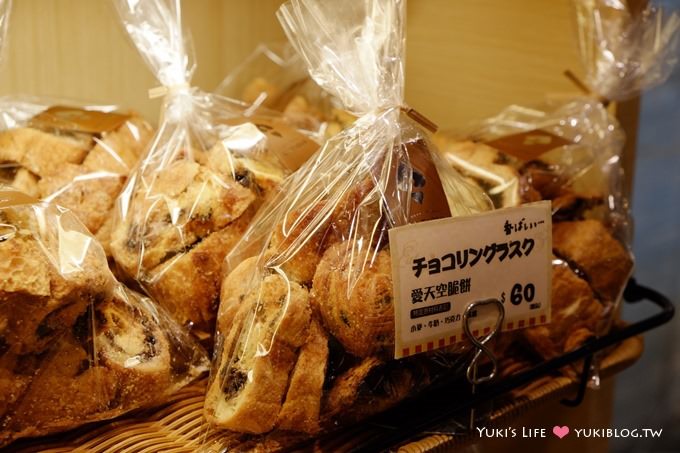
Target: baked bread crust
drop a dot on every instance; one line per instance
(575, 315)
(117, 356)
(36, 150)
(356, 305)
(37, 302)
(589, 246)
(256, 369)
(80, 171)
(181, 222)
(195, 304)
(301, 409)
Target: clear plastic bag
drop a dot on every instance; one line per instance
(209, 167)
(275, 76)
(5, 7)
(76, 155)
(76, 345)
(306, 321)
(624, 51)
(569, 154)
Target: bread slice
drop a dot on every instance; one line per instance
(194, 305)
(120, 354)
(355, 300)
(258, 355)
(300, 411)
(485, 166)
(90, 195)
(172, 210)
(38, 151)
(575, 315)
(235, 287)
(589, 246)
(37, 301)
(118, 151)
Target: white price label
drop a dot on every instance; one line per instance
(441, 266)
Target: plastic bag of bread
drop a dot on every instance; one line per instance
(209, 167)
(569, 154)
(275, 76)
(76, 155)
(626, 50)
(306, 317)
(76, 345)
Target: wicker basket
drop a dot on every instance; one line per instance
(179, 427)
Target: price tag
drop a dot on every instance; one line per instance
(529, 145)
(441, 266)
(284, 144)
(78, 120)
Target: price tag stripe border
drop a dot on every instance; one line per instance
(441, 342)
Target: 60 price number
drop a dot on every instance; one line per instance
(520, 293)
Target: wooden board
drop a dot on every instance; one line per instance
(466, 58)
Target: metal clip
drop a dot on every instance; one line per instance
(480, 345)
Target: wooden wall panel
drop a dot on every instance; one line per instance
(469, 58)
(77, 49)
(466, 58)
(245, 25)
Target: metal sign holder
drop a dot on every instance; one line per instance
(439, 404)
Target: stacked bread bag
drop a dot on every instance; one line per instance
(306, 319)
(572, 154)
(75, 155)
(76, 345)
(209, 167)
(275, 76)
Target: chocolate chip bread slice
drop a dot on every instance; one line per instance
(486, 166)
(195, 304)
(576, 314)
(120, 354)
(258, 354)
(180, 222)
(592, 250)
(172, 211)
(47, 280)
(356, 304)
(302, 406)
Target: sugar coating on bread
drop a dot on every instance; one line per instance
(259, 353)
(302, 406)
(356, 302)
(38, 151)
(23, 266)
(116, 356)
(195, 304)
(574, 311)
(588, 245)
